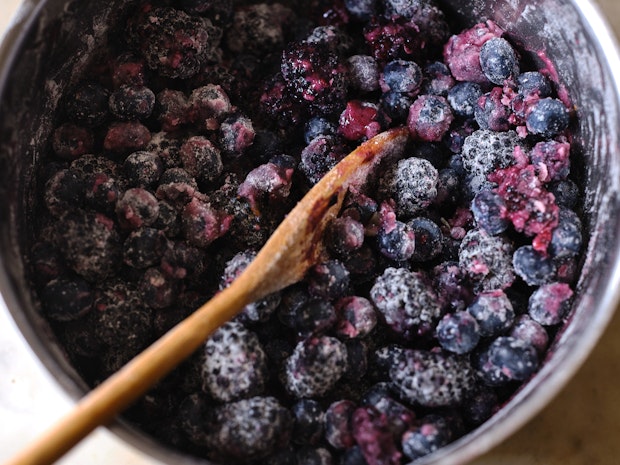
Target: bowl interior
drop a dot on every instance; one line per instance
(44, 53)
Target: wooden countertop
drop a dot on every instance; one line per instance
(581, 426)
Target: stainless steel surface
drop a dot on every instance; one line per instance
(573, 36)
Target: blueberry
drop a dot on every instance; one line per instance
(491, 113)
(143, 168)
(463, 98)
(314, 316)
(550, 303)
(308, 417)
(493, 311)
(547, 118)
(67, 299)
(566, 193)
(395, 106)
(532, 266)
(429, 118)
(437, 79)
(353, 456)
(71, 141)
(480, 406)
(428, 239)
(566, 239)
(401, 76)
(489, 211)
(328, 280)
(363, 73)
(356, 317)
(458, 332)
(534, 83)
(132, 102)
(344, 235)
(433, 433)
(498, 60)
(318, 126)
(527, 329)
(507, 359)
(361, 9)
(338, 429)
(144, 247)
(398, 242)
(88, 104)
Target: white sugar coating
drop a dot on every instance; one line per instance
(405, 298)
(235, 364)
(315, 366)
(433, 379)
(412, 183)
(485, 150)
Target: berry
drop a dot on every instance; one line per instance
(338, 427)
(309, 420)
(201, 159)
(550, 303)
(485, 151)
(71, 141)
(312, 456)
(480, 406)
(126, 137)
(176, 186)
(395, 106)
(158, 289)
(259, 28)
(361, 9)
(315, 366)
(429, 118)
(458, 332)
(491, 113)
(363, 73)
(318, 126)
(144, 247)
(498, 60)
(396, 240)
(235, 365)
(552, 158)
(463, 98)
(401, 76)
(143, 168)
(489, 211)
(328, 280)
(449, 282)
(269, 182)
(432, 379)
(208, 106)
(310, 318)
(507, 359)
(132, 102)
(547, 118)
(534, 83)
(437, 79)
(412, 183)
(356, 317)
(344, 235)
(405, 299)
(67, 299)
(566, 240)
(493, 311)
(528, 330)
(248, 429)
(172, 108)
(137, 208)
(88, 104)
(532, 266)
(319, 156)
(428, 239)
(372, 434)
(358, 121)
(432, 434)
(202, 224)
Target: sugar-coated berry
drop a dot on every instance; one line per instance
(172, 109)
(405, 299)
(505, 360)
(550, 303)
(88, 104)
(431, 434)
(463, 98)
(432, 379)
(498, 60)
(566, 240)
(429, 118)
(208, 106)
(319, 156)
(493, 311)
(132, 102)
(437, 79)
(235, 365)
(71, 141)
(328, 280)
(532, 266)
(143, 168)
(144, 247)
(485, 151)
(202, 224)
(201, 159)
(344, 235)
(527, 329)
(548, 118)
(458, 332)
(158, 289)
(236, 135)
(315, 366)
(396, 241)
(137, 208)
(126, 137)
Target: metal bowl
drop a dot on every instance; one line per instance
(51, 39)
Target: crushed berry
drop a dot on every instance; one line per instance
(358, 121)
(491, 113)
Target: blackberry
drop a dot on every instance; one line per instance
(432, 379)
(458, 332)
(309, 420)
(485, 150)
(248, 429)
(429, 118)
(67, 299)
(505, 360)
(550, 303)
(498, 60)
(405, 299)
(338, 427)
(132, 102)
(493, 311)
(235, 365)
(315, 366)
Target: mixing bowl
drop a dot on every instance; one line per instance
(51, 39)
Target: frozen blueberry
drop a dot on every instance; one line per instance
(412, 183)
(88, 104)
(498, 60)
(248, 429)
(400, 417)
(395, 106)
(487, 260)
(480, 406)
(534, 83)
(493, 311)
(548, 118)
(567, 239)
(201, 159)
(144, 247)
(431, 434)
(158, 289)
(318, 126)
(491, 113)
(344, 235)
(374, 437)
(432, 379)
(236, 135)
(315, 366)
(126, 137)
(458, 332)
(338, 428)
(137, 208)
(235, 365)
(143, 168)
(532, 266)
(550, 303)
(353, 456)
(319, 156)
(429, 118)
(172, 108)
(437, 79)
(312, 317)
(450, 284)
(202, 224)
(401, 76)
(405, 299)
(363, 72)
(176, 186)
(62, 191)
(396, 241)
(309, 419)
(489, 211)
(428, 239)
(132, 102)
(527, 329)
(328, 280)
(565, 192)
(505, 360)
(463, 98)
(356, 317)
(208, 106)
(361, 9)
(67, 299)
(71, 141)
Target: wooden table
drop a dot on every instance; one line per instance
(581, 426)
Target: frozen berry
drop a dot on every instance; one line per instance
(372, 434)
(487, 260)
(566, 240)
(132, 102)
(396, 240)
(126, 137)
(201, 159)
(489, 211)
(67, 299)
(491, 113)
(428, 239)
(71, 141)
(143, 168)
(437, 79)
(532, 266)
(236, 135)
(328, 280)
(344, 235)
(314, 456)
(208, 106)
(88, 104)
(310, 318)
(235, 365)
(309, 419)
(318, 126)
(363, 72)
(176, 186)
(552, 158)
(356, 317)
(550, 303)
(431, 434)
(498, 60)
(358, 121)
(319, 156)
(395, 106)
(429, 118)
(493, 311)
(158, 289)
(137, 208)
(268, 183)
(463, 98)
(401, 76)
(458, 332)
(486, 150)
(144, 247)
(361, 9)
(338, 428)
(507, 359)
(173, 109)
(525, 328)
(548, 118)
(412, 183)
(202, 224)
(315, 366)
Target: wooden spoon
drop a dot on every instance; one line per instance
(294, 247)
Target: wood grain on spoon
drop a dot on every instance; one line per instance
(293, 248)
